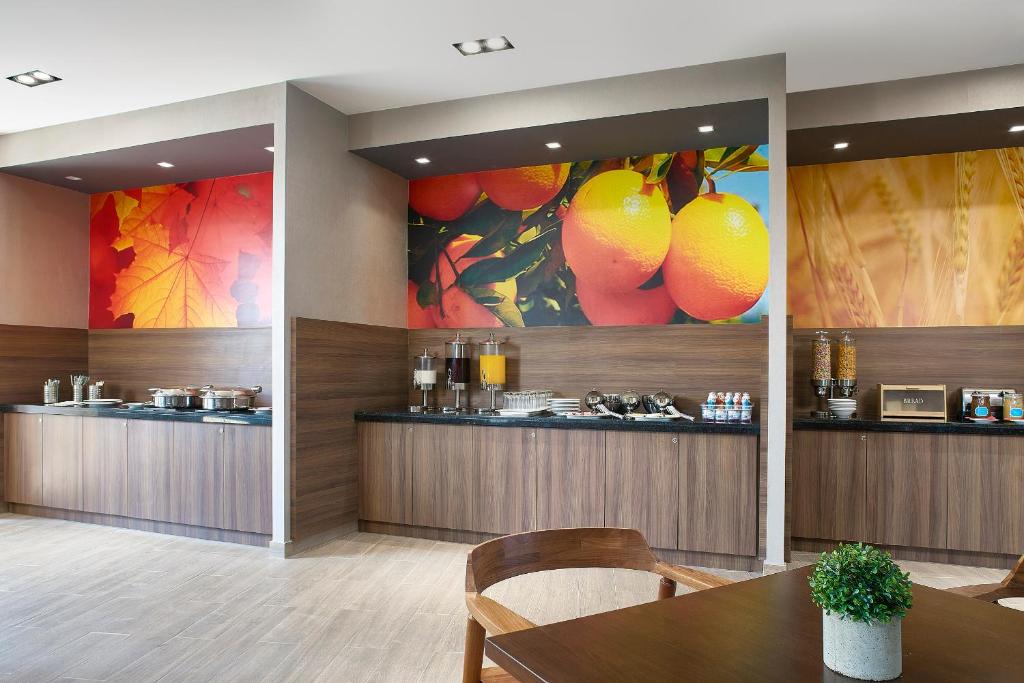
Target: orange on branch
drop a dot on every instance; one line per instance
(527, 187)
(445, 197)
(617, 231)
(717, 265)
(419, 318)
(458, 308)
(638, 307)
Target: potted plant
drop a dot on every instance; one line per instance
(864, 596)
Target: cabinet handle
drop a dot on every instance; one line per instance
(675, 439)
(533, 435)
(410, 429)
(863, 437)
(221, 430)
(40, 419)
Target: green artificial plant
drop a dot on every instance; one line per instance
(861, 583)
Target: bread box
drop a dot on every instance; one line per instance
(912, 403)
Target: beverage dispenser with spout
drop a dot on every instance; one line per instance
(424, 378)
(456, 365)
(492, 371)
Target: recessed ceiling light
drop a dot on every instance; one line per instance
(71, 177)
(422, 160)
(269, 149)
(705, 129)
(482, 45)
(165, 164)
(841, 145)
(1017, 129)
(553, 145)
(33, 78)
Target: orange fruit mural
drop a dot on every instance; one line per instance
(192, 254)
(645, 240)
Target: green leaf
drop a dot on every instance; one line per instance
(522, 260)
(728, 158)
(426, 295)
(660, 166)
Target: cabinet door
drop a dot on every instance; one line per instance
(385, 472)
(642, 485)
(23, 466)
(62, 461)
(829, 494)
(718, 493)
(906, 489)
(570, 478)
(506, 480)
(986, 501)
(248, 479)
(443, 476)
(197, 474)
(149, 470)
(105, 465)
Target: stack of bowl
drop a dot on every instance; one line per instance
(842, 408)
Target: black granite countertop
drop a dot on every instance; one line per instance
(248, 417)
(986, 429)
(556, 422)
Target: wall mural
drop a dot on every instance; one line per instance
(916, 241)
(646, 240)
(192, 254)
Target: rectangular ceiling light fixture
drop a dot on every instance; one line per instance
(1017, 129)
(33, 78)
(165, 164)
(483, 45)
(841, 145)
(706, 129)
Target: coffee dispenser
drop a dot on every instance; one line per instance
(456, 365)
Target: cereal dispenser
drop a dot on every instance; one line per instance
(492, 371)
(456, 365)
(846, 366)
(821, 372)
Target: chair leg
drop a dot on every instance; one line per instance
(666, 589)
(473, 660)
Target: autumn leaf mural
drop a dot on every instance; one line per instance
(185, 255)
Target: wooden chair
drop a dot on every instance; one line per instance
(1010, 587)
(503, 558)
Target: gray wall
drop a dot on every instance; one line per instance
(346, 223)
(44, 254)
(962, 92)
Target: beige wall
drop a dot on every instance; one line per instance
(44, 254)
(346, 218)
(963, 92)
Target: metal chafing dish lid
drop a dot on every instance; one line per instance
(235, 392)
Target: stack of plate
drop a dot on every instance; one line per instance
(842, 408)
(561, 406)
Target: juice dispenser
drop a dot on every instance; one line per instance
(456, 365)
(492, 371)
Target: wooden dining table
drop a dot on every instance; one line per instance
(764, 629)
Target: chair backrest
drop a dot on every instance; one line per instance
(1016, 576)
(535, 551)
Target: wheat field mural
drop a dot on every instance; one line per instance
(916, 241)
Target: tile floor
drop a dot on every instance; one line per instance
(85, 602)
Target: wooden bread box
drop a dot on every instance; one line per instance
(912, 403)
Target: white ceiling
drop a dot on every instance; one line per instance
(117, 55)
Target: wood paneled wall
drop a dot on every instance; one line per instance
(990, 357)
(337, 368)
(685, 360)
(29, 355)
(131, 361)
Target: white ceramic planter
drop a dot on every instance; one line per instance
(869, 652)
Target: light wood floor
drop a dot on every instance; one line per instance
(87, 602)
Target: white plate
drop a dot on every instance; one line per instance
(101, 401)
(651, 416)
(585, 416)
(521, 413)
(1012, 603)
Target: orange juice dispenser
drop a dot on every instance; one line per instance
(492, 370)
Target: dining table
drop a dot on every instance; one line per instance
(763, 629)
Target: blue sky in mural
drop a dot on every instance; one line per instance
(751, 186)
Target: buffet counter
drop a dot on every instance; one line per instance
(556, 422)
(248, 417)
(972, 428)
(691, 488)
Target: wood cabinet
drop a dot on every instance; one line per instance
(444, 472)
(149, 470)
(385, 472)
(248, 479)
(23, 458)
(829, 496)
(197, 474)
(906, 489)
(642, 485)
(986, 500)
(62, 461)
(105, 466)
(570, 478)
(505, 493)
(718, 493)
